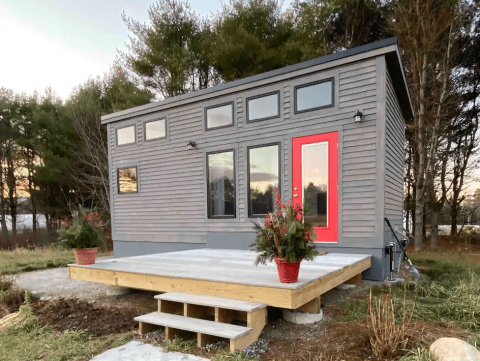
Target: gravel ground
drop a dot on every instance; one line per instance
(55, 283)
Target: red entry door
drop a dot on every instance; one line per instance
(315, 177)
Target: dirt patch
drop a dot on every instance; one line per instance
(346, 341)
(71, 315)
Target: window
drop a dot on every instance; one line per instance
(263, 107)
(155, 129)
(263, 177)
(221, 184)
(127, 180)
(126, 135)
(219, 116)
(314, 96)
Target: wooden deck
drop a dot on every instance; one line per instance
(225, 273)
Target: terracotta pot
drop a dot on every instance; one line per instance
(85, 256)
(287, 271)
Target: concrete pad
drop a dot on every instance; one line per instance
(137, 351)
(301, 318)
(119, 291)
(346, 286)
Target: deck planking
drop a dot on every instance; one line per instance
(225, 273)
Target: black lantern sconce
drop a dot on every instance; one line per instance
(191, 145)
(358, 116)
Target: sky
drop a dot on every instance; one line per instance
(61, 43)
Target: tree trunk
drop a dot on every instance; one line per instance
(434, 229)
(454, 214)
(420, 181)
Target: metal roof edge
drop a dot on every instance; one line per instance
(150, 107)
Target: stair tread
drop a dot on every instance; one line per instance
(226, 303)
(218, 329)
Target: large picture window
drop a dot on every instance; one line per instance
(263, 178)
(126, 135)
(155, 129)
(219, 116)
(127, 180)
(221, 184)
(314, 96)
(263, 107)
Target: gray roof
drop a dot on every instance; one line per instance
(392, 58)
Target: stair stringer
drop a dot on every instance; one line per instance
(256, 320)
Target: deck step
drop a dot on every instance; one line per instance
(194, 325)
(225, 303)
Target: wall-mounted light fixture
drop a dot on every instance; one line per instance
(358, 116)
(191, 145)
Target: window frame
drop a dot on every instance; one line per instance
(134, 135)
(150, 121)
(118, 180)
(261, 96)
(231, 103)
(209, 216)
(332, 104)
(249, 201)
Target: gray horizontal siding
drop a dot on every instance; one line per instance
(171, 203)
(358, 91)
(394, 162)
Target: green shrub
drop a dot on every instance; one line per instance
(284, 235)
(81, 234)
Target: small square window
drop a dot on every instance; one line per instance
(155, 129)
(127, 180)
(219, 116)
(314, 96)
(126, 135)
(263, 107)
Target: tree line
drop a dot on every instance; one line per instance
(62, 145)
(54, 153)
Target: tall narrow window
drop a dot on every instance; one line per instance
(221, 184)
(155, 129)
(219, 116)
(263, 107)
(263, 177)
(127, 180)
(126, 135)
(314, 96)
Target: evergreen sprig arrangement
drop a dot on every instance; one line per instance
(284, 235)
(81, 233)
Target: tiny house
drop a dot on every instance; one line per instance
(194, 171)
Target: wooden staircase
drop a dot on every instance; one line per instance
(208, 317)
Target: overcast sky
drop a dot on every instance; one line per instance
(62, 42)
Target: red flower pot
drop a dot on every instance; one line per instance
(85, 256)
(287, 271)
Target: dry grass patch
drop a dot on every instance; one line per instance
(25, 260)
(387, 336)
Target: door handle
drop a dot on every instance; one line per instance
(295, 195)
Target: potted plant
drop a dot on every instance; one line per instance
(285, 238)
(84, 236)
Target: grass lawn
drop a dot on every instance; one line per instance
(450, 297)
(25, 260)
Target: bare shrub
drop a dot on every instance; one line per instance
(387, 337)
